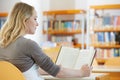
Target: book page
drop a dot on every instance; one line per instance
(85, 57)
(67, 57)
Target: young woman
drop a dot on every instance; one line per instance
(24, 53)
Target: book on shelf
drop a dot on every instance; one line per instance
(98, 22)
(100, 37)
(2, 21)
(74, 58)
(107, 22)
(107, 53)
(118, 20)
(116, 52)
(68, 25)
(105, 38)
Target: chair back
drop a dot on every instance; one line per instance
(10, 72)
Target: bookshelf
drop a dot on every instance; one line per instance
(62, 32)
(63, 25)
(107, 29)
(104, 28)
(3, 16)
(109, 6)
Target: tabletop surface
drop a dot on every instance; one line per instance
(106, 68)
(92, 77)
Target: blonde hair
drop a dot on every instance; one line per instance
(14, 26)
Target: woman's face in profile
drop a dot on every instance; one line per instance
(32, 23)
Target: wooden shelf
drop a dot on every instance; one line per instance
(110, 6)
(63, 12)
(105, 46)
(63, 32)
(3, 14)
(112, 29)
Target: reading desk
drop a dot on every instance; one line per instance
(94, 76)
(113, 71)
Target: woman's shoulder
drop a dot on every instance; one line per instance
(28, 43)
(25, 41)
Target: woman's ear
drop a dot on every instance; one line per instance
(25, 24)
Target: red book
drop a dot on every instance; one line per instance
(118, 21)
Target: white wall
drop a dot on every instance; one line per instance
(45, 5)
(62, 4)
(100, 2)
(68, 4)
(75, 4)
(5, 5)
(81, 4)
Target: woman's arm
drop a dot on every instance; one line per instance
(42, 72)
(69, 73)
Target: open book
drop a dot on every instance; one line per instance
(74, 57)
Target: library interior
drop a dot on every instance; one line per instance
(77, 25)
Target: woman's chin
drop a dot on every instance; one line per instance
(31, 33)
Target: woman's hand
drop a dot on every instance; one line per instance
(85, 71)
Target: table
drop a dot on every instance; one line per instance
(94, 76)
(113, 71)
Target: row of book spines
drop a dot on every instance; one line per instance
(107, 21)
(104, 37)
(62, 25)
(63, 41)
(107, 53)
(2, 21)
